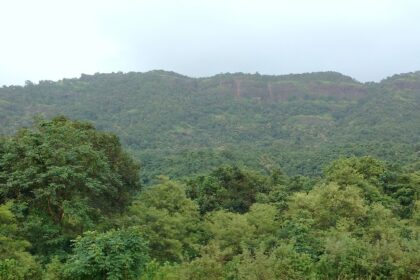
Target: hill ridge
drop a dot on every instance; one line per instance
(299, 121)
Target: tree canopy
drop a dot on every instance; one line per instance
(64, 176)
(72, 207)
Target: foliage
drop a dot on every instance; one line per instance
(62, 180)
(16, 262)
(168, 219)
(227, 188)
(282, 263)
(116, 254)
(179, 126)
(64, 176)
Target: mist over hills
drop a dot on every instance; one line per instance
(179, 126)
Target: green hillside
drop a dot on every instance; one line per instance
(180, 126)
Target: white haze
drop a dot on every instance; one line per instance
(49, 40)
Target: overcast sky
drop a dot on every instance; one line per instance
(50, 40)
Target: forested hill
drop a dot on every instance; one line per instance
(177, 125)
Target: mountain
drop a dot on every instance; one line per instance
(180, 126)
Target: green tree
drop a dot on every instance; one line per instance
(113, 255)
(327, 204)
(168, 219)
(230, 231)
(16, 263)
(404, 188)
(281, 263)
(228, 187)
(364, 172)
(67, 175)
(345, 257)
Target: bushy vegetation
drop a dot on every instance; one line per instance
(71, 207)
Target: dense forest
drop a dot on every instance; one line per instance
(154, 176)
(178, 126)
(71, 207)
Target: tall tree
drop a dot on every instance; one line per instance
(65, 174)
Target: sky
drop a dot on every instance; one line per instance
(54, 39)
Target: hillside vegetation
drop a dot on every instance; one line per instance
(179, 126)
